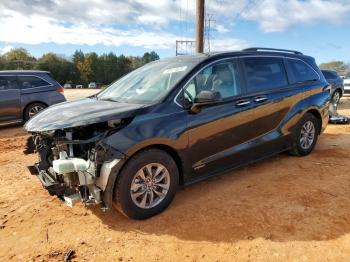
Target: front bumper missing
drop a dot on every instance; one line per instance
(48, 182)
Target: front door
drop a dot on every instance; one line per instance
(10, 106)
(218, 131)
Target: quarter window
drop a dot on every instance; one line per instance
(222, 77)
(301, 71)
(31, 82)
(8, 82)
(264, 73)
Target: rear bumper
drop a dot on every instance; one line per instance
(47, 181)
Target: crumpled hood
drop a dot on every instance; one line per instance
(79, 112)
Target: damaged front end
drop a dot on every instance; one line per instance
(75, 164)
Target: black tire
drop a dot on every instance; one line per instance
(29, 109)
(336, 97)
(297, 148)
(122, 191)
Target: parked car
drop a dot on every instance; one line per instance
(337, 84)
(68, 86)
(347, 86)
(177, 121)
(92, 85)
(79, 86)
(24, 93)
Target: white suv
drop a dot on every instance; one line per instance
(347, 86)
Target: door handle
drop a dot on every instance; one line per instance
(243, 103)
(259, 99)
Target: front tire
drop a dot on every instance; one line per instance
(305, 135)
(336, 97)
(147, 184)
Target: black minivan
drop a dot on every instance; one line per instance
(176, 121)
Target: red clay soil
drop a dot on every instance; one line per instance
(284, 208)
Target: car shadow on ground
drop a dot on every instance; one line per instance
(283, 198)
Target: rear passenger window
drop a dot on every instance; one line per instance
(8, 82)
(31, 82)
(301, 72)
(264, 73)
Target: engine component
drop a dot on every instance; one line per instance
(66, 165)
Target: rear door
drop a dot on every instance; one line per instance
(10, 107)
(272, 97)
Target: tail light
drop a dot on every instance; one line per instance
(60, 90)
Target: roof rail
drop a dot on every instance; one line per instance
(272, 49)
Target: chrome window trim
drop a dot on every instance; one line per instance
(234, 57)
(49, 84)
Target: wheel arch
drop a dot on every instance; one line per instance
(318, 116)
(114, 175)
(169, 150)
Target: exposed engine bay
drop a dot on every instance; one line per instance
(75, 164)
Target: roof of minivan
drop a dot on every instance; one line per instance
(23, 72)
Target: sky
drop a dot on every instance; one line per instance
(319, 28)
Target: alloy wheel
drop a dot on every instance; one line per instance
(34, 110)
(150, 185)
(307, 135)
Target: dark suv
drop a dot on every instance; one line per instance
(177, 121)
(337, 84)
(24, 93)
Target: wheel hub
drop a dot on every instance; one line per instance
(307, 135)
(150, 185)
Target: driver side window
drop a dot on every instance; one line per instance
(222, 77)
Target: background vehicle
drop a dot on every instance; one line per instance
(67, 85)
(347, 86)
(79, 86)
(92, 85)
(24, 93)
(337, 84)
(177, 121)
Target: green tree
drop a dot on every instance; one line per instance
(149, 57)
(92, 60)
(78, 56)
(19, 58)
(2, 62)
(61, 69)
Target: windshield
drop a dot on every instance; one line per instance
(149, 83)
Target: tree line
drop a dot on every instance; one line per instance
(80, 68)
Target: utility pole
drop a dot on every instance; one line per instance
(199, 26)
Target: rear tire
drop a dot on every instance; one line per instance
(305, 135)
(32, 109)
(147, 184)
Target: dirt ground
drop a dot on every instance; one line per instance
(72, 94)
(281, 209)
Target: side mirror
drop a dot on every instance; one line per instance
(205, 97)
